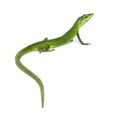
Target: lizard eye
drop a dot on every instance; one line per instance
(85, 16)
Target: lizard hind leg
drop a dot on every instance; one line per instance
(45, 48)
(45, 39)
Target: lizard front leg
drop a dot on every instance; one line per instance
(81, 40)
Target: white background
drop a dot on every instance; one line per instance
(78, 80)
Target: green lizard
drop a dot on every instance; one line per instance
(49, 45)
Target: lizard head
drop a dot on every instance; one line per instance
(84, 18)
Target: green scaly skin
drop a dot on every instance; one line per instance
(49, 45)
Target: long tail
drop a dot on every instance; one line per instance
(29, 72)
